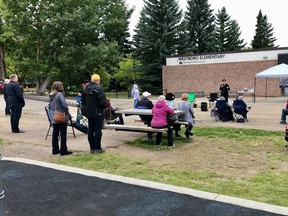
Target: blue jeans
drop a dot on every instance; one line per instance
(16, 112)
(135, 103)
(95, 132)
(59, 129)
(284, 113)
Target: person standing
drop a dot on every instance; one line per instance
(135, 94)
(16, 102)
(7, 107)
(58, 103)
(94, 100)
(224, 88)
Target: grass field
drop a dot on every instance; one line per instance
(244, 163)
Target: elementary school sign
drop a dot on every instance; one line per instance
(225, 57)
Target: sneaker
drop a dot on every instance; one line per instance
(159, 144)
(282, 122)
(172, 146)
(98, 151)
(66, 153)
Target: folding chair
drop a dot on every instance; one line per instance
(51, 125)
(213, 97)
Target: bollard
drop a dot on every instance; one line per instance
(1, 191)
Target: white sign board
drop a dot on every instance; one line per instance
(225, 57)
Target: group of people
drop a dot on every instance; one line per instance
(164, 115)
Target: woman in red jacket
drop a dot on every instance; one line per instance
(159, 120)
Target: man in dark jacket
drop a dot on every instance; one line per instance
(94, 101)
(7, 107)
(16, 102)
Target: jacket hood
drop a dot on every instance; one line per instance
(91, 88)
(160, 104)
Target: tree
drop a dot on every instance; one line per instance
(263, 34)
(199, 22)
(125, 73)
(66, 40)
(156, 36)
(227, 32)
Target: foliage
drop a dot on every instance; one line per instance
(66, 40)
(125, 74)
(199, 22)
(156, 37)
(263, 34)
(227, 32)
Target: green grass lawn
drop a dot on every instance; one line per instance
(254, 163)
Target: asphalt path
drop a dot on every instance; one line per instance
(40, 189)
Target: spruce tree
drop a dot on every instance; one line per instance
(263, 34)
(227, 32)
(199, 21)
(157, 36)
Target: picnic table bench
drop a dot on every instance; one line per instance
(134, 128)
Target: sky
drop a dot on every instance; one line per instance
(243, 11)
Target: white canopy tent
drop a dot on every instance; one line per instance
(278, 71)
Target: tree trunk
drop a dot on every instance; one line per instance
(2, 63)
(41, 85)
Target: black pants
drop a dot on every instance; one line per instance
(59, 129)
(16, 112)
(7, 108)
(95, 132)
(169, 136)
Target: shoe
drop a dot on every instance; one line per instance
(190, 133)
(20, 131)
(91, 151)
(178, 135)
(55, 152)
(172, 146)
(99, 151)
(66, 153)
(282, 122)
(159, 144)
(186, 134)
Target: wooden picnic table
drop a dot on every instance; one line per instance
(142, 111)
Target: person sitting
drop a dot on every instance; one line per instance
(284, 113)
(240, 107)
(172, 118)
(159, 120)
(145, 103)
(188, 116)
(111, 115)
(224, 110)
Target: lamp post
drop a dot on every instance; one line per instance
(1, 191)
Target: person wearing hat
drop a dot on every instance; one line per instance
(94, 100)
(145, 103)
(172, 118)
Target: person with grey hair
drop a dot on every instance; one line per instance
(159, 120)
(224, 110)
(240, 107)
(16, 102)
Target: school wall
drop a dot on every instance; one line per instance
(208, 77)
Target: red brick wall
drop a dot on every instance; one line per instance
(207, 77)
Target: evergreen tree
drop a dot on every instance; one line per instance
(227, 32)
(264, 33)
(199, 21)
(156, 37)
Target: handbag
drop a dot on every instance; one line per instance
(59, 117)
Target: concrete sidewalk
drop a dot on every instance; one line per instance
(49, 189)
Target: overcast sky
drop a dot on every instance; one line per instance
(244, 12)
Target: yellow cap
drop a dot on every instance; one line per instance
(95, 77)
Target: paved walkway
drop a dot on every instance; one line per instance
(49, 189)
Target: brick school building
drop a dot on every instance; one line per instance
(203, 73)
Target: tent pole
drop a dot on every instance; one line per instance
(254, 97)
(266, 90)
